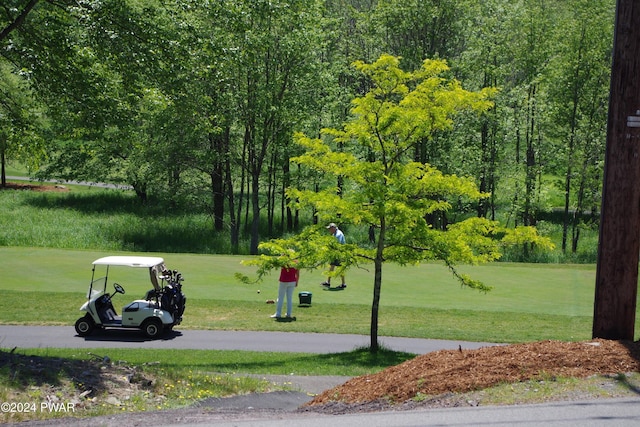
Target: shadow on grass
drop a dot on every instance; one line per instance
(121, 219)
(22, 371)
(101, 203)
(634, 351)
(360, 358)
(627, 384)
(363, 357)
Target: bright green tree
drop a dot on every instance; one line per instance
(384, 189)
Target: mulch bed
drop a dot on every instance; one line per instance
(458, 371)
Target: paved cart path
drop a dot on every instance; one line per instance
(66, 337)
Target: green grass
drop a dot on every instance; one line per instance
(552, 388)
(94, 218)
(89, 218)
(13, 169)
(533, 288)
(529, 302)
(352, 363)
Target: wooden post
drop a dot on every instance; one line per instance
(619, 247)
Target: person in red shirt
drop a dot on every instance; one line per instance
(289, 277)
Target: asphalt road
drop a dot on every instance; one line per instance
(66, 337)
(597, 413)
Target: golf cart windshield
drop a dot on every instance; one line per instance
(97, 286)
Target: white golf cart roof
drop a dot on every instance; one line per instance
(129, 261)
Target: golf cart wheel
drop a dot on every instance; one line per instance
(85, 325)
(152, 328)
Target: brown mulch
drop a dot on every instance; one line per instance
(34, 187)
(459, 371)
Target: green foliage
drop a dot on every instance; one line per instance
(23, 121)
(189, 102)
(526, 235)
(385, 189)
(382, 187)
(311, 249)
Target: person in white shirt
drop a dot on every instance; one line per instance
(339, 235)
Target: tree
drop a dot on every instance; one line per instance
(579, 94)
(485, 62)
(88, 62)
(385, 189)
(196, 102)
(22, 122)
(418, 29)
(282, 55)
(13, 16)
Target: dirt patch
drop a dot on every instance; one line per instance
(84, 383)
(58, 188)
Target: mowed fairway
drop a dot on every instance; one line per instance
(528, 301)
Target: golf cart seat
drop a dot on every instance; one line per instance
(109, 316)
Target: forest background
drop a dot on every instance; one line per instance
(193, 104)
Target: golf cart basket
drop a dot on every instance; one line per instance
(169, 293)
(171, 297)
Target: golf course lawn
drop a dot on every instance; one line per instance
(528, 301)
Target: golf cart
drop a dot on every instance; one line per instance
(159, 311)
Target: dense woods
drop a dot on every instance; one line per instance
(195, 103)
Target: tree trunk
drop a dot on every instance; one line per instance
(241, 186)
(567, 194)
(219, 144)
(19, 20)
(271, 192)
(488, 155)
(528, 216)
(3, 160)
(617, 268)
(484, 138)
(233, 222)
(286, 182)
(577, 217)
(255, 212)
(575, 100)
(377, 285)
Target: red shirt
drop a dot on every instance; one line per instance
(288, 274)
